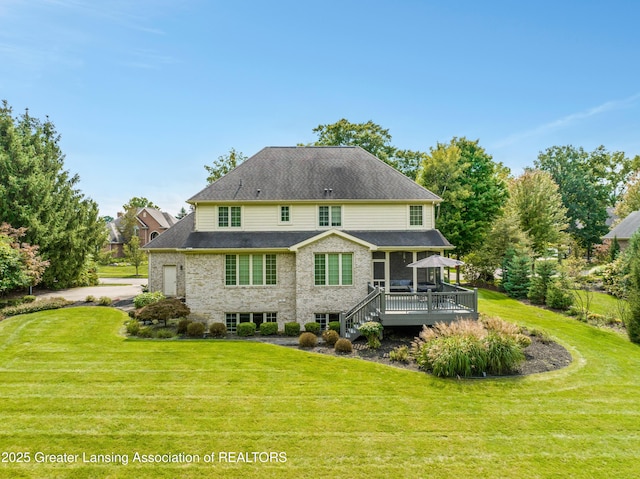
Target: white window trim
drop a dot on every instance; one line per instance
(330, 225)
(229, 227)
(409, 217)
(280, 215)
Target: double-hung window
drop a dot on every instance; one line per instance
(333, 269)
(285, 214)
(250, 269)
(229, 216)
(415, 215)
(330, 216)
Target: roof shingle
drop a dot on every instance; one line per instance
(313, 173)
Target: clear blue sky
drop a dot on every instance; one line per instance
(145, 92)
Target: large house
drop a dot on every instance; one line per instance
(150, 223)
(309, 234)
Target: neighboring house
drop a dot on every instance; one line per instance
(309, 234)
(150, 223)
(624, 230)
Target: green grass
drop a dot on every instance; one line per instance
(603, 303)
(124, 271)
(69, 383)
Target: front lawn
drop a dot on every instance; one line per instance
(123, 271)
(71, 384)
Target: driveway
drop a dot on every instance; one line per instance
(114, 288)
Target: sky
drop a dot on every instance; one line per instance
(144, 93)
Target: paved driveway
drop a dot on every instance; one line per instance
(114, 288)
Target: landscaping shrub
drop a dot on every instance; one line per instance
(133, 327)
(104, 301)
(330, 337)
(559, 296)
(308, 340)
(268, 329)
(165, 333)
(312, 328)
(540, 282)
(195, 330)
(516, 283)
(90, 299)
(542, 335)
(334, 325)
(183, 324)
(399, 354)
(343, 345)
(246, 329)
(292, 329)
(144, 299)
(29, 298)
(372, 330)
(145, 332)
(163, 310)
(36, 306)
(470, 348)
(503, 353)
(218, 330)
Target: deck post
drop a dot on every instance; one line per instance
(475, 300)
(429, 300)
(383, 301)
(343, 326)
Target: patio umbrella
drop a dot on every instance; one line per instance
(434, 261)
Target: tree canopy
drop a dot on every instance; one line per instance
(140, 202)
(370, 137)
(588, 183)
(224, 164)
(37, 193)
(535, 200)
(473, 188)
(629, 201)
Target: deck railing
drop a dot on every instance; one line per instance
(361, 312)
(452, 298)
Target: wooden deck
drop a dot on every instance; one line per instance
(411, 309)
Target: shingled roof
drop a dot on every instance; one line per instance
(626, 228)
(302, 173)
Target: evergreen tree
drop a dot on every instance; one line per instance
(518, 277)
(544, 270)
(632, 322)
(614, 249)
(37, 193)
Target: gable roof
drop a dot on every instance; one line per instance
(302, 173)
(174, 237)
(626, 228)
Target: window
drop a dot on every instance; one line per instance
(330, 216)
(233, 319)
(325, 318)
(154, 235)
(285, 214)
(415, 215)
(333, 269)
(250, 269)
(229, 216)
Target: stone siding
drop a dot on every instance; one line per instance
(209, 297)
(313, 299)
(156, 277)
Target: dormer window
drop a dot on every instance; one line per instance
(330, 216)
(229, 216)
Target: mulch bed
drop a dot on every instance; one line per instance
(540, 356)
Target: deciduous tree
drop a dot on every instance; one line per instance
(20, 263)
(473, 188)
(224, 164)
(535, 199)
